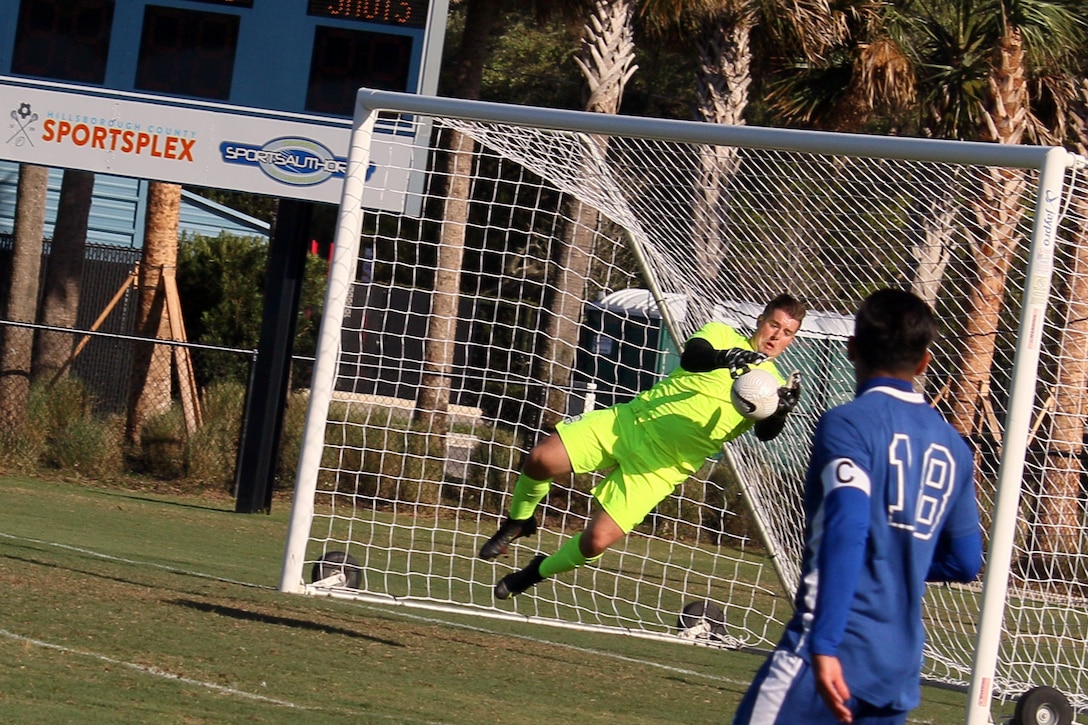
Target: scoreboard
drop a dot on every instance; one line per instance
(286, 55)
(284, 70)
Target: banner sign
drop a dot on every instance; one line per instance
(221, 147)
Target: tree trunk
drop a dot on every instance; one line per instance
(1059, 518)
(932, 254)
(998, 213)
(560, 343)
(432, 404)
(725, 69)
(607, 55)
(725, 74)
(607, 62)
(1060, 513)
(22, 302)
(438, 357)
(433, 401)
(64, 274)
(151, 369)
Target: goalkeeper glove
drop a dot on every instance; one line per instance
(737, 357)
(789, 395)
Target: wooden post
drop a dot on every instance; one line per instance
(190, 396)
(117, 297)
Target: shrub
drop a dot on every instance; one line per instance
(492, 470)
(23, 448)
(89, 446)
(294, 420)
(384, 458)
(211, 453)
(62, 432)
(162, 444)
(724, 510)
(222, 281)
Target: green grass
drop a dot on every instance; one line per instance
(126, 606)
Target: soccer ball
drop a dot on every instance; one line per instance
(755, 394)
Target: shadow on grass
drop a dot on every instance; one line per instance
(163, 498)
(262, 618)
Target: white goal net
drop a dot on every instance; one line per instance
(555, 261)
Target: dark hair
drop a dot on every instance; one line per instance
(892, 330)
(791, 306)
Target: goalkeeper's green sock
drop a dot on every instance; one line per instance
(528, 492)
(568, 558)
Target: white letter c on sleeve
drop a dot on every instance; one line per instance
(843, 472)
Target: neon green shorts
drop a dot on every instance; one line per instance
(641, 477)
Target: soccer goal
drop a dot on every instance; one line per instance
(550, 262)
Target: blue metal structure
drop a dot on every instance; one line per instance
(118, 210)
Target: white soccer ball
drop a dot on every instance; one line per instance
(755, 394)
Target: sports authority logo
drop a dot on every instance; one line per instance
(23, 119)
(289, 160)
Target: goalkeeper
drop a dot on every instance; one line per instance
(652, 443)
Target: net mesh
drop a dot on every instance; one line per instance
(580, 263)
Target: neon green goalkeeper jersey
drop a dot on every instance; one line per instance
(689, 415)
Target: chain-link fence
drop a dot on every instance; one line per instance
(169, 408)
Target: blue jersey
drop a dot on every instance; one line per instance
(889, 503)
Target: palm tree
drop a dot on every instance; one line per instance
(984, 59)
(432, 404)
(974, 70)
(606, 59)
(22, 302)
(1000, 71)
(725, 33)
(151, 368)
(63, 274)
(1060, 519)
(606, 62)
(870, 83)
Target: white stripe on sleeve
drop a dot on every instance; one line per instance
(843, 472)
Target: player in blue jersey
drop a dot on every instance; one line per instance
(889, 504)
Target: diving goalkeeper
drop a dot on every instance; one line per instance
(651, 443)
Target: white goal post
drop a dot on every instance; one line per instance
(560, 259)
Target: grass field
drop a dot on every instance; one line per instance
(127, 606)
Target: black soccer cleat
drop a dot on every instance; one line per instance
(511, 529)
(519, 581)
